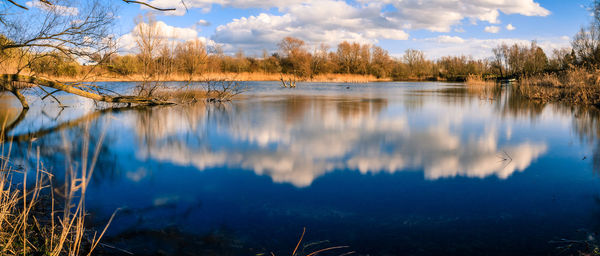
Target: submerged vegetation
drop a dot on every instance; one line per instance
(210, 90)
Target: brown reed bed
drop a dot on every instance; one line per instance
(186, 96)
(484, 88)
(243, 76)
(34, 218)
(206, 90)
(477, 80)
(575, 85)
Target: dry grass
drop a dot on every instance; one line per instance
(314, 248)
(347, 78)
(191, 95)
(33, 221)
(207, 90)
(479, 86)
(477, 80)
(245, 76)
(575, 85)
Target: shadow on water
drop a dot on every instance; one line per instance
(242, 178)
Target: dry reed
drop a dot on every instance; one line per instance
(575, 85)
(217, 90)
(244, 76)
(184, 96)
(305, 252)
(32, 220)
(479, 86)
(477, 80)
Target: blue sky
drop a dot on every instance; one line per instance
(438, 27)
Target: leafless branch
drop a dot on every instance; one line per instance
(126, 1)
(148, 5)
(17, 5)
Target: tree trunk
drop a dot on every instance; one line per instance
(7, 81)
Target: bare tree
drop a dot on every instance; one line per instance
(586, 43)
(219, 90)
(320, 59)
(348, 55)
(500, 59)
(296, 60)
(381, 63)
(193, 57)
(150, 42)
(416, 62)
(77, 30)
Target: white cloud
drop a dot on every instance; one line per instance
(510, 27)
(203, 23)
(332, 21)
(58, 9)
(206, 5)
(492, 29)
(440, 15)
(175, 32)
(450, 39)
(171, 33)
(482, 48)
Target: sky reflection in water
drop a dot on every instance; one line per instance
(388, 168)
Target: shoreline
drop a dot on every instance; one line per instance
(246, 77)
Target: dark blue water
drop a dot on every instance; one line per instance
(385, 168)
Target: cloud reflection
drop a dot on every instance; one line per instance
(298, 140)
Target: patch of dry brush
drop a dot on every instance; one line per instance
(477, 80)
(478, 85)
(575, 85)
(206, 90)
(36, 220)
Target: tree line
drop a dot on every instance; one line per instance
(154, 55)
(194, 58)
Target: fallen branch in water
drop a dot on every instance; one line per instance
(14, 83)
(33, 135)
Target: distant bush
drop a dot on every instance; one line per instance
(56, 64)
(124, 65)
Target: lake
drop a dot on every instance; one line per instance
(383, 168)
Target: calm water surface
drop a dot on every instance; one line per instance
(384, 168)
